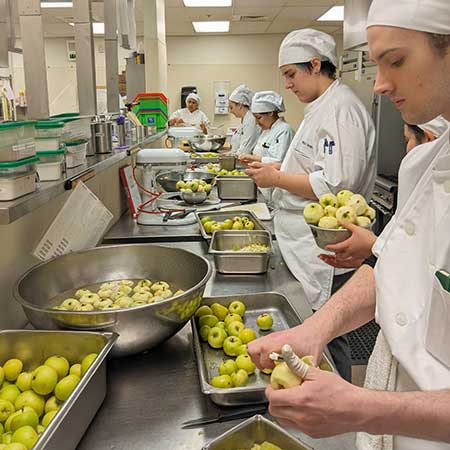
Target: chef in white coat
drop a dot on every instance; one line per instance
(332, 150)
(191, 115)
(245, 137)
(276, 135)
(405, 404)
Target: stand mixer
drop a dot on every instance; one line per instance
(151, 162)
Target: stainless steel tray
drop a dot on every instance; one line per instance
(255, 430)
(236, 188)
(220, 216)
(209, 359)
(76, 413)
(229, 261)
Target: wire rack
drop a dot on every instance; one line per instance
(362, 342)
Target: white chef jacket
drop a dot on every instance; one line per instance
(190, 118)
(244, 139)
(412, 308)
(273, 143)
(335, 146)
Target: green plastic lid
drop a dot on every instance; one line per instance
(73, 115)
(60, 151)
(20, 162)
(46, 124)
(73, 143)
(10, 125)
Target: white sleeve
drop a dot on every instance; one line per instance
(279, 147)
(250, 134)
(205, 118)
(175, 115)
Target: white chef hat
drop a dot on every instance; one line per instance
(267, 101)
(193, 96)
(242, 94)
(301, 46)
(437, 126)
(431, 16)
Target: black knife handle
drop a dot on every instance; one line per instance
(243, 413)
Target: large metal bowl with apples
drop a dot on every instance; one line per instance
(141, 327)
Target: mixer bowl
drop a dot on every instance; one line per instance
(168, 180)
(140, 328)
(208, 143)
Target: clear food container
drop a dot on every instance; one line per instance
(50, 166)
(16, 140)
(48, 135)
(76, 153)
(17, 178)
(75, 127)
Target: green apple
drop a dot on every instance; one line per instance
(70, 304)
(217, 337)
(124, 301)
(312, 213)
(75, 370)
(208, 188)
(86, 307)
(44, 380)
(237, 226)
(12, 369)
(242, 350)
(90, 298)
(105, 293)
(246, 363)
(180, 184)
(207, 226)
(87, 362)
(6, 409)
(328, 199)
(220, 311)
(2, 376)
(264, 321)
(2, 430)
(237, 307)
(15, 446)
(27, 416)
(25, 435)
(10, 418)
(204, 332)
(328, 222)
(205, 219)
(222, 381)
(227, 224)
(6, 438)
(363, 221)
(227, 367)
(249, 225)
(52, 404)
(369, 212)
(81, 292)
(343, 197)
(330, 211)
(209, 320)
(346, 213)
(358, 203)
(66, 386)
(40, 429)
(239, 378)
(231, 345)
(9, 392)
(324, 365)
(234, 328)
(23, 381)
(204, 310)
(31, 399)
(103, 304)
(266, 371)
(221, 324)
(247, 335)
(48, 417)
(269, 446)
(230, 317)
(283, 378)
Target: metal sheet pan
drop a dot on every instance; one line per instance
(236, 188)
(208, 359)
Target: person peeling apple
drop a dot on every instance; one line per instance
(332, 150)
(405, 402)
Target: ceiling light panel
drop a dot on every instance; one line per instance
(221, 26)
(98, 28)
(334, 14)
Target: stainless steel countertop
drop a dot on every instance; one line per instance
(13, 210)
(151, 394)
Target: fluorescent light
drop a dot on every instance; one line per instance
(221, 26)
(334, 14)
(208, 3)
(98, 28)
(56, 4)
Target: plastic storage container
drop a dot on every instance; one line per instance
(48, 135)
(50, 166)
(16, 140)
(17, 178)
(76, 153)
(75, 127)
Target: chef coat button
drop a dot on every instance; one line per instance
(447, 186)
(410, 228)
(401, 319)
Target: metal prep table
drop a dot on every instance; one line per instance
(151, 394)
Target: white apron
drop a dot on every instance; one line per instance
(244, 138)
(190, 118)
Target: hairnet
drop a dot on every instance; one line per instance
(193, 96)
(242, 94)
(431, 16)
(301, 46)
(437, 126)
(267, 101)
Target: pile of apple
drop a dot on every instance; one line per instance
(223, 328)
(236, 223)
(227, 173)
(194, 186)
(333, 209)
(30, 400)
(266, 445)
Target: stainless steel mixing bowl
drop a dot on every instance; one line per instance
(208, 143)
(168, 180)
(140, 328)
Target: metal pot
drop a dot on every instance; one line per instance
(102, 136)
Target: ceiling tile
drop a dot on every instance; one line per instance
(271, 13)
(301, 13)
(249, 27)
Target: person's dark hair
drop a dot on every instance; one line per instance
(326, 68)
(440, 43)
(419, 134)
